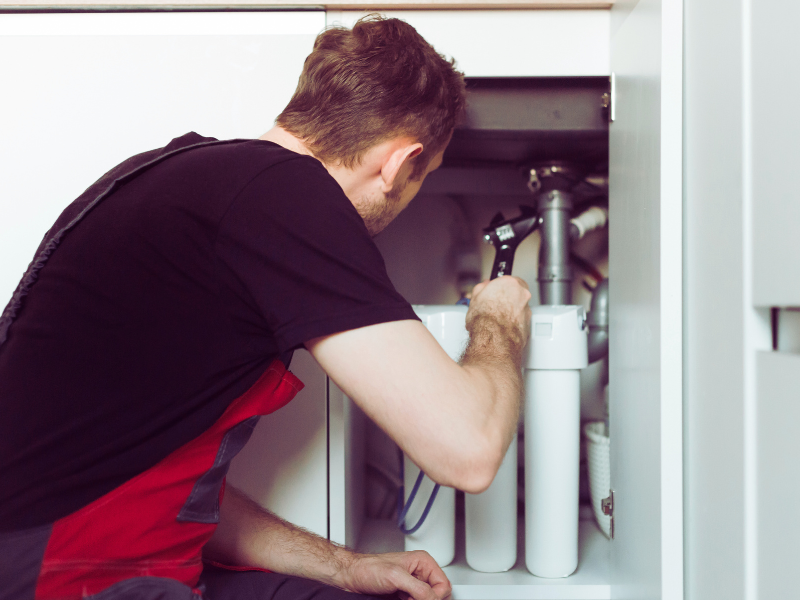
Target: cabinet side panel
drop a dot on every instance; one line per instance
(338, 442)
(778, 486)
(284, 466)
(354, 475)
(635, 305)
(346, 467)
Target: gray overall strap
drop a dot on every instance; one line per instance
(78, 209)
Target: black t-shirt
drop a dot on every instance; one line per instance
(164, 304)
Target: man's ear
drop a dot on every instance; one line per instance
(398, 155)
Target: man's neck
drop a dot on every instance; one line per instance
(280, 136)
(350, 180)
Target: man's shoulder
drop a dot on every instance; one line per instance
(295, 190)
(259, 155)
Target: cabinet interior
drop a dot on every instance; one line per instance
(511, 125)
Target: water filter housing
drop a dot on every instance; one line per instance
(558, 338)
(491, 520)
(556, 352)
(447, 323)
(436, 536)
(491, 517)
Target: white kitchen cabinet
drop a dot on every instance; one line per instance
(284, 466)
(511, 43)
(93, 89)
(741, 223)
(646, 271)
(775, 131)
(645, 260)
(778, 416)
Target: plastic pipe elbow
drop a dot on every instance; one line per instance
(589, 220)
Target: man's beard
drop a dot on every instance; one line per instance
(378, 213)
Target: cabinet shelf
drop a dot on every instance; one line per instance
(589, 582)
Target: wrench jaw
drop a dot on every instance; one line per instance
(506, 234)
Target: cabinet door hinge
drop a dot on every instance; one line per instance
(607, 504)
(609, 99)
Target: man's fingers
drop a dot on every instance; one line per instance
(479, 288)
(415, 588)
(506, 282)
(429, 571)
(504, 295)
(442, 590)
(413, 575)
(511, 280)
(523, 283)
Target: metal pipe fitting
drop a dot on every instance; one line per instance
(598, 323)
(555, 273)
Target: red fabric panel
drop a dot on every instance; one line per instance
(132, 531)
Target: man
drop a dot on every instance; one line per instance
(157, 318)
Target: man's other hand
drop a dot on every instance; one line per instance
(414, 575)
(248, 535)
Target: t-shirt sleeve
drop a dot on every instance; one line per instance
(302, 253)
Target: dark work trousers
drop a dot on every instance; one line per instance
(222, 584)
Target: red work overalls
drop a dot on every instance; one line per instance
(144, 539)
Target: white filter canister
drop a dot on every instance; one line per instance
(437, 536)
(552, 455)
(556, 352)
(491, 520)
(447, 323)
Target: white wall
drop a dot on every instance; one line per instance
(83, 91)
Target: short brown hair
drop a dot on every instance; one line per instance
(378, 81)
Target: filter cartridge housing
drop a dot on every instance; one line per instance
(556, 352)
(491, 520)
(437, 534)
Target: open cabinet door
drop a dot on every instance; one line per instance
(646, 300)
(772, 206)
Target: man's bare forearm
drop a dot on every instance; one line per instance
(248, 535)
(494, 353)
(496, 349)
(454, 421)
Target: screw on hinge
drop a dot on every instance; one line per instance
(607, 506)
(608, 99)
